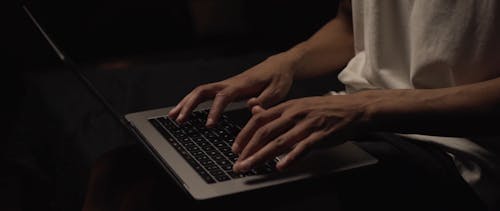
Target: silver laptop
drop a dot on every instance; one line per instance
(200, 159)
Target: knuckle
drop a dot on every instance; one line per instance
(307, 144)
(280, 142)
(258, 118)
(288, 103)
(273, 92)
(263, 132)
(319, 121)
(293, 115)
(287, 118)
(199, 89)
(225, 93)
(228, 93)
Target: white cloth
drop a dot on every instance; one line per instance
(408, 44)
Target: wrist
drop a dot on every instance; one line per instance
(295, 56)
(382, 108)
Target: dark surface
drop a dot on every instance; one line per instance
(409, 176)
(140, 55)
(63, 129)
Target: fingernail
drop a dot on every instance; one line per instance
(236, 167)
(179, 118)
(210, 122)
(251, 101)
(282, 162)
(255, 109)
(243, 166)
(235, 148)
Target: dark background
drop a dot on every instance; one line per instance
(55, 129)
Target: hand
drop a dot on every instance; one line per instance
(267, 83)
(297, 125)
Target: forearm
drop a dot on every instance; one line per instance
(467, 110)
(326, 51)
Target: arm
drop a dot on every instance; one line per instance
(269, 82)
(329, 49)
(467, 110)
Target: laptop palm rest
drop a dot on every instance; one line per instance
(321, 162)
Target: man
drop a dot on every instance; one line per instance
(411, 67)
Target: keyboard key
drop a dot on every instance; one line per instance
(225, 149)
(197, 154)
(263, 170)
(203, 144)
(227, 167)
(206, 177)
(206, 162)
(202, 157)
(223, 162)
(218, 157)
(212, 168)
(217, 172)
(220, 145)
(192, 147)
(234, 175)
(207, 150)
(212, 153)
(186, 142)
(222, 178)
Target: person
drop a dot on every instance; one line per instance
(411, 67)
(421, 94)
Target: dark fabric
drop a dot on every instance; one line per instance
(411, 175)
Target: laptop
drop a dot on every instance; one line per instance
(200, 159)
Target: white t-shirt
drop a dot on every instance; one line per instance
(407, 44)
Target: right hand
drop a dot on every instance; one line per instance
(266, 84)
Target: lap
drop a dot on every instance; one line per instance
(408, 176)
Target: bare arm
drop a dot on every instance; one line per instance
(269, 82)
(329, 49)
(468, 110)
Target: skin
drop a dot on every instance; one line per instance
(296, 126)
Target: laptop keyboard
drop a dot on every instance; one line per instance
(207, 150)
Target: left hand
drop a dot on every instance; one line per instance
(296, 125)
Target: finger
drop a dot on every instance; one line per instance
(174, 112)
(222, 99)
(252, 125)
(257, 109)
(264, 135)
(333, 133)
(252, 102)
(276, 147)
(299, 150)
(268, 97)
(198, 95)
